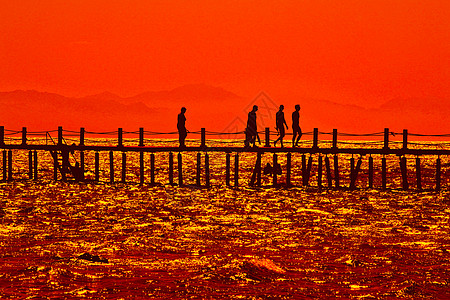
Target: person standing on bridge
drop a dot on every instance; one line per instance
(251, 132)
(181, 125)
(296, 126)
(281, 122)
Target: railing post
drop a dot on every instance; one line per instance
(267, 137)
(316, 138)
(24, 135)
(405, 139)
(82, 136)
(120, 137)
(141, 137)
(386, 139)
(203, 138)
(2, 135)
(334, 138)
(60, 136)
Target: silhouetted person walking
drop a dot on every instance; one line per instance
(296, 126)
(281, 122)
(251, 132)
(181, 125)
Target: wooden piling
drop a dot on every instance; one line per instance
(82, 131)
(55, 164)
(111, 166)
(10, 164)
(141, 168)
(304, 177)
(418, 175)
(308, 169)
(35, 165)
(180, 170)
(170, 168)
(370, 172)
(352, 167)
(328, 170)
(124, 167)
(141, 137)
(336, 171)
(208, 183)
(267, 144)
(236, 170)
(274, 168)
(383, 173)
(97, 166)
(30, 164)
(24, 135)
(438, 174)
(355, 174)
(120, 137)
(152, 168)
(199, 163)
(82, 165)
(319, 172)
(227, 169)
(404, 173)
(288, 169)
(258, 165)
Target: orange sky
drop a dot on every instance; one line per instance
(359, 52)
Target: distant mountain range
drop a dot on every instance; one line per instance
(213, 108)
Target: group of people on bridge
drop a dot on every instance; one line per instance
(251, 131)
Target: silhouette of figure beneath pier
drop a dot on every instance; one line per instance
(181, 125)
(280, 122)
(297, 131)
(251, 132)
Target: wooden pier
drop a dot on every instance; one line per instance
(60, 151)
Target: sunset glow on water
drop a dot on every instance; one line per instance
(102, 240)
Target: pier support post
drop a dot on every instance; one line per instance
(256, 170)
(288, 169)
(141, 168)
(10, 164)
(203, 138)
(35, 165)
(60, 136)
(418, 175)
(308, 169)
(354, 176)
(141, 137)
(180, 170)
(2, 135)
(404, 173)
(383, 173)
(124, 167)
(170, 168)
(24, 136)
(319, 172)
(329, 177)
(82, 165)
(208, 183)
(120, 137)
(267, 137)
(336, 171)
(352, 168)
(405, 139)
(199, 163)
(97, 166)
(30, 164)
(438, 174)
(5, 165)
(55, 165)
(236, 170)
(227, 169)
(274, 170)
(304, 177)
(258, 165)
(111, 166)
(82, 136)
(370, 172)
(152, 168)
(386, 139)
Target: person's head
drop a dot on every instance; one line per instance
(255, 107)
(281, 107)
(297, 107)
(183, 110)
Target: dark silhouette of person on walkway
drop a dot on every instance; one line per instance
(296, 126)
(281, 122)
(181, 125)
(251, 132)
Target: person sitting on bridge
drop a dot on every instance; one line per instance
(181, 125)
(280, 122)
(251, 132)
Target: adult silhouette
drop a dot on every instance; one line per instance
(251, 132)
(280, 122)
(181, 125)
(297, 131)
